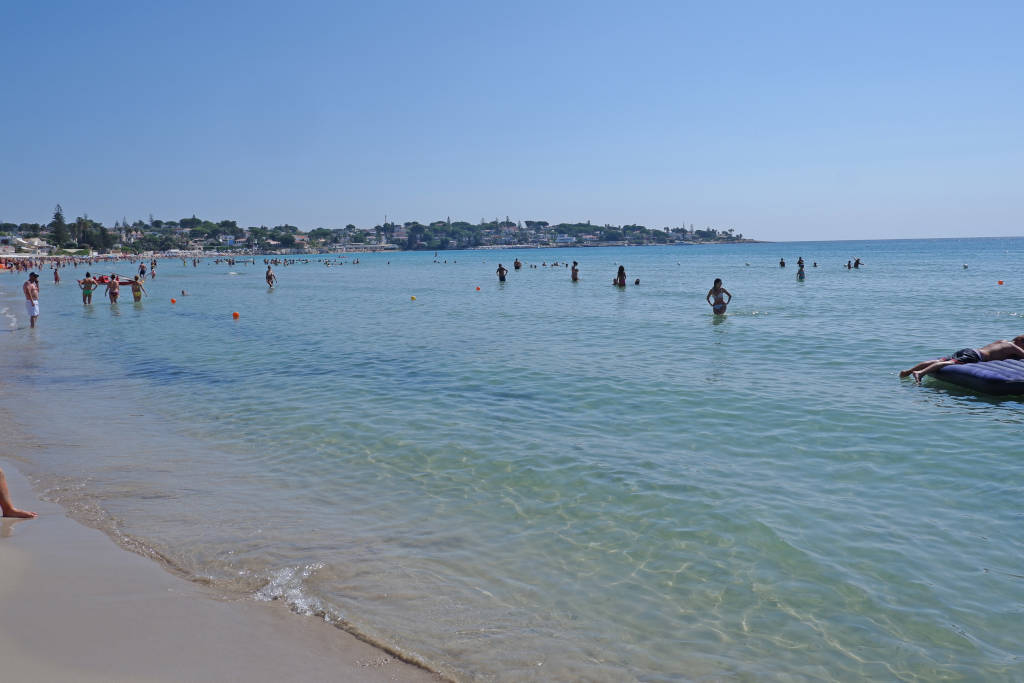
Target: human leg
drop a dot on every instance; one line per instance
(920, 366)
(936, 365)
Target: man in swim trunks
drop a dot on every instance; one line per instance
(997, 350)
(271, 278)
(7, 508)
(502, 272)
(31, 289)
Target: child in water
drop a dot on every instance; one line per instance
(717, 291)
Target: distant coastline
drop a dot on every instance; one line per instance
(194, 235)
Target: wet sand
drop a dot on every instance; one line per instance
(76, 607)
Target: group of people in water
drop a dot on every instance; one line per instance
(801, 274)
(88, 284)
(718, 297)
(113, 283)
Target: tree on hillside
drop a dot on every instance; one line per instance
(190, 223)
(58, 227)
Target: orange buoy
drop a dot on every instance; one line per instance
(412, 298)
(235, 315)
(1000, 282)
(478, 289)
(174, 301)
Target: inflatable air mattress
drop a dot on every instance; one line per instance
(998, 377)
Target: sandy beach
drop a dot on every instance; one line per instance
(79, 608)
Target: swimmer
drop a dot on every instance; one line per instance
(637, 281)
(138, 289)
(800, 272)
(88, 286)
(574, 275)
(800, 261)
(502, 271)
(517, 264)
(184, 293)
(113, 288)
(782, 263)
(620, 278)
(718, 306)
(271, 278)
(997, 350)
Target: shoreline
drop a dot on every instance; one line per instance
(78, 607)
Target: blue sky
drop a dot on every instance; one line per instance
(784, 121)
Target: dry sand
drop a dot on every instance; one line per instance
(76, 607)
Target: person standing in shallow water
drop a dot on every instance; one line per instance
(138, 289)
(113, 288)
(620, 277)
(502, 272)
(31, 290)
(719, 293)
(271, 278)
(575, 273)
(88, 286)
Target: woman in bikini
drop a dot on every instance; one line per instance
(113, 288)
(718, 291)
(88, 286)
(138, 289)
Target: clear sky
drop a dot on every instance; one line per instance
(794, 120)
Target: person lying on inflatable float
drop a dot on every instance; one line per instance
(997, 350)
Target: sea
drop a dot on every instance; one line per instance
(548, 480)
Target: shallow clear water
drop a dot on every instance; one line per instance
(564, 481)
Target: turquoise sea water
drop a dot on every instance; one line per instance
(544, 480)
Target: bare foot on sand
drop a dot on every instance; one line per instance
(20, 514)
(6, 508)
